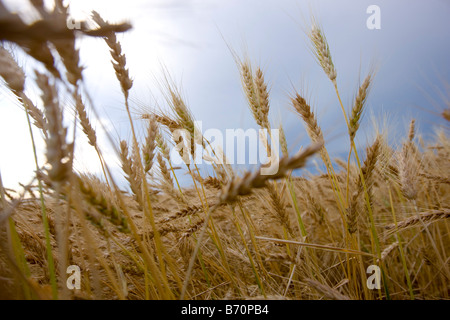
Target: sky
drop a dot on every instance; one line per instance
(192, 40)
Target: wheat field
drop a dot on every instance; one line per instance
(291, 234)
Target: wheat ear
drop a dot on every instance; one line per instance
(256, 93)
(167, 182)
(119, 60)
(412, 130)
(130, 170)
(244, 186)
(446, 114)
(262, 93)
(407, 169)
(59, 152)
(162, 144)
(93, 192)
(304, 110)
(322, 50)
(150, 144)
(283, 141)
(85, 122)
(11, 72)
(367, 170)
(279, 207)
(65, 46)
(14, 77)
(424, 217)
(358, 107)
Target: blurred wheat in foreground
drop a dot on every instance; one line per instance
(229, 236)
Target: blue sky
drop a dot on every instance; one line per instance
(190, 38)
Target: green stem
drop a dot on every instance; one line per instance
(51, 264)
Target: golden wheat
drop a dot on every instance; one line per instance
(216, 239)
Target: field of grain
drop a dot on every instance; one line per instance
(371, 226)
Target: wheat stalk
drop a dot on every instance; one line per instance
(243, 186)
